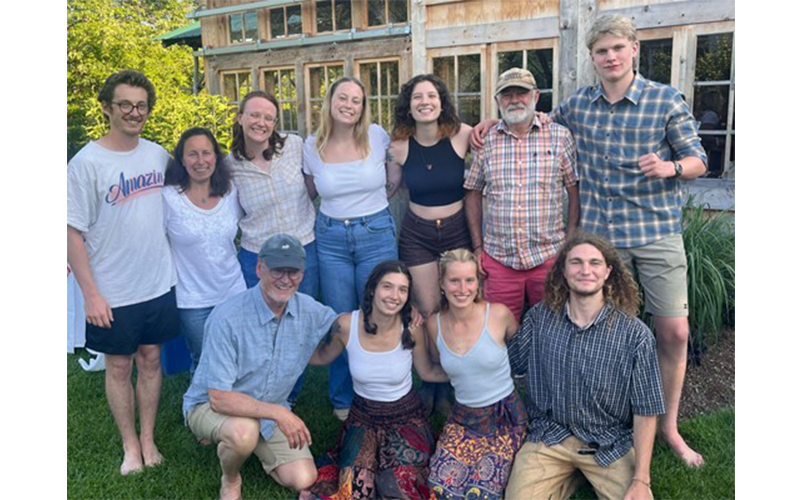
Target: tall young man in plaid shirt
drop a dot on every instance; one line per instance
(636, 139)
(522, 172)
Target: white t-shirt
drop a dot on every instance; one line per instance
(350, 189)
(114, 199)
(203, 248)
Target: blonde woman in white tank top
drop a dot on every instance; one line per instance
(487, 423)
(387, 422)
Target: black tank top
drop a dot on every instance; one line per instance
(434, 175)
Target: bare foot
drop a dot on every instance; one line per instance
(690, 457)
(131, 463)
(151, 455)
(231, 490)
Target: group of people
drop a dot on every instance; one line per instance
(151, 240)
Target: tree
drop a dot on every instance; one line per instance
(105, 36)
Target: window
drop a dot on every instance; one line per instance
(243, 27)
(462, 75)
(334, 15)
(655, 60)
(320, 77)
(285, 21)
(714, 101)
(540, 63)
(381, 12)
(235, 85)
(281, 83)
(382, 81)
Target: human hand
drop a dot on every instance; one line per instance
(479, 256)
(98, 312)
(416, 318)
(293, 428)
(478, 133)
(544, 118)
(638, 490)
(652, 166)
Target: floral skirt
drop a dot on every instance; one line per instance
(383, 452)
(476, 450)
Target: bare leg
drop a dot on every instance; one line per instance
(673, 338)
(425, 294)
(148, 393)
(298, 475)
(119, 393)
(238, 438)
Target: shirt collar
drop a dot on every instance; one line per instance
(534, 124)
(601, 316)
(633, 94)
(265, 314)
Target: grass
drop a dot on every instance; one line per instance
(191, 471)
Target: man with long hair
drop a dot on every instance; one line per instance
(591, 374)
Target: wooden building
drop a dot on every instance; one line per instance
(296, 48)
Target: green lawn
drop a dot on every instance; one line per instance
(191, 471)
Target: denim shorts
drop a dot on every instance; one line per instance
(423, 240)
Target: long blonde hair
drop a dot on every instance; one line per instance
(361, 131)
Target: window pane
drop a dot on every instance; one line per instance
(711, 107)
(316, 81)
(316, 109)
(229, 86)
(334, 73)
(508, 60)
(389, 78)
(469, 109)
(376, 13)
(545, 103)
(387, 112)
(469, 73)
(369, 76)
(374, 109)
(288, 86)
(445, 68)
(236, 28)
(714, 57)
(271, 83)
(294, 20)
(344, 19)
(250, 26)
(655, 60)
(244, 85)
(276, 26)
(324, 15)
(540, 63)
(398, 11)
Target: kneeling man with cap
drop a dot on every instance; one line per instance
(256, 346)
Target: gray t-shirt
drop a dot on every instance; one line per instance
(114, 199)
(246, 349)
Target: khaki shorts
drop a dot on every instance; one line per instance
(661, 267)
(205, 423)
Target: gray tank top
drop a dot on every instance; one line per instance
(482, 376)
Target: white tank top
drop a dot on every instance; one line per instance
(378, 376)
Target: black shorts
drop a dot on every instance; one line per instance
(423, 241)
(151, 322)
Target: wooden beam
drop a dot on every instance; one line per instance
(479, 34)
(677, 13)
(419, 41)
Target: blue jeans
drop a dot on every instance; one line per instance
(348, 251)
(309, 286)
(191, 324)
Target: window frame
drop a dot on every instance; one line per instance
(525, 46)
(268, 17)
(456, 52)
(263, 86)
(365, 20)
(381, 97)
(307, 88)
(237, 72)
(333, 29)
(243, 33)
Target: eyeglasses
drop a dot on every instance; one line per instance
(126, 107)
(258, 117)
(277, 274)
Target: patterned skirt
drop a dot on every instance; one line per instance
(476, 449)
(383, 452)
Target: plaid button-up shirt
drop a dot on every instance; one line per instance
(587, 382)
(274, 201)
(523, 180)
(617, 200)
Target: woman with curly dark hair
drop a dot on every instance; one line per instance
(201, 213)
(386, 441)
(430, 143)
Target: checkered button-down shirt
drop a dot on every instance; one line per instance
(522, 179)
(276, 200)
(587, 382)
(617, 200)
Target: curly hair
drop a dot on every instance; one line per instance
(620, 289)
(404, 123)
(381, 270)
(276, 142)
(176, 174)
(457, 255)
(127, 77)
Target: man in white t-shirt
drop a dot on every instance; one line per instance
(118, 250)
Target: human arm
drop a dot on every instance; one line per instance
(333, 343)
(237, 404)
(574, 210)
(98, 312)
(395, 157)
(426, 369)
(310, 159)
(653, 166)
(644, 433)
(508, 320)
(479, 132)
(473, 204)
(519, 345)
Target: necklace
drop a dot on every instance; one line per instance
(427, 164)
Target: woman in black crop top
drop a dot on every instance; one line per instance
(429, 142)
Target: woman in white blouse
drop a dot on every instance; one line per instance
(201, 213)
(345, 164)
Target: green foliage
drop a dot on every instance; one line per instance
(710, 243)
(105, 36)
